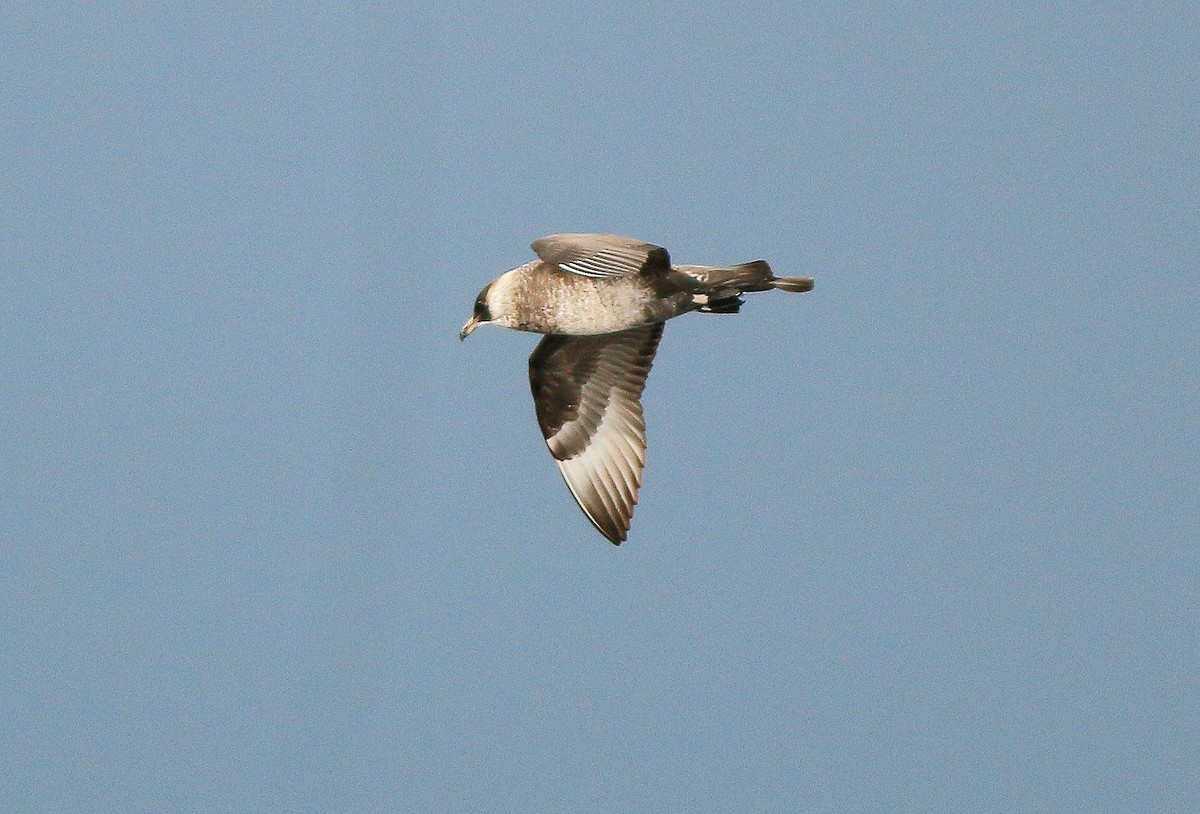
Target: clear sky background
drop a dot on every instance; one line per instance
(925, 539)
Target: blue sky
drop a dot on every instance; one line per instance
(924, 539)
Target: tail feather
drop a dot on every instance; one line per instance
(796, 284)
(725, 283)
(719, 305)
(753, 276)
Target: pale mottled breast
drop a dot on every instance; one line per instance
(541, 298)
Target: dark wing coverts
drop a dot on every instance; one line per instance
(587, 391)
(596, 255)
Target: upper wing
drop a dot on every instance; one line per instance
(587, 392)
(594, 255)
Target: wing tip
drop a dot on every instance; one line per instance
(615, 535)
(613, 520)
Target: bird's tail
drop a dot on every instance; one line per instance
(725, 284)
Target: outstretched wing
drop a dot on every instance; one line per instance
(593, 255)
(587, 392)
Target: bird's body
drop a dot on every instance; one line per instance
(601, 301)
(575, 305)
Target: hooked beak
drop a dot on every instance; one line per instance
(472, 324)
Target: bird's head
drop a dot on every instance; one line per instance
(482, 315)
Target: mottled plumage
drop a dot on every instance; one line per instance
(601, 301)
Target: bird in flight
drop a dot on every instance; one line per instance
(601, 301)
